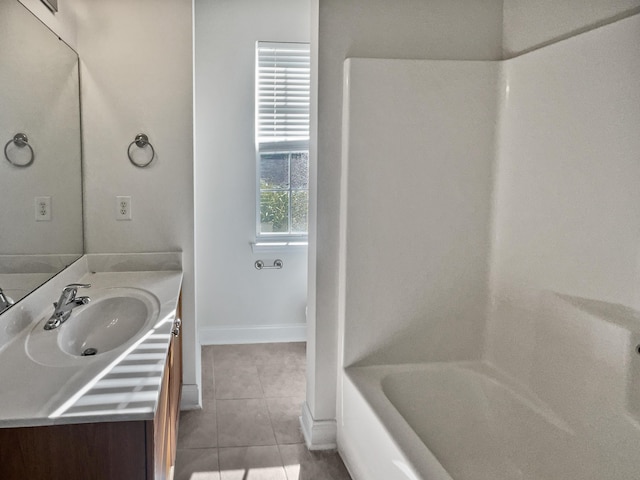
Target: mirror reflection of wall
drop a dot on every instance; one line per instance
(40, 204)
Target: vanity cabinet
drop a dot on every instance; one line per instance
(111, 450)
(161, 453)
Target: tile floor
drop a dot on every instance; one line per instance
(248, 428)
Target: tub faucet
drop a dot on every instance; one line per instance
(65, 304)
(5, 302)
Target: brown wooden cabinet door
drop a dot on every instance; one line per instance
(164, 428)
(96, 451)
(175, 371)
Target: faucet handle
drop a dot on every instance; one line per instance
(78, 285)
(69, 293)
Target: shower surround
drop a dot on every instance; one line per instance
(489, 264)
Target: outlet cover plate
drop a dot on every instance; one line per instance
(43, 209)
(123, 208)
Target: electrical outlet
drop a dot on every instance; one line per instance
(43, 209)
(123, 208)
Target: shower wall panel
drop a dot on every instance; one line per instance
(418, 153)
(568, 188)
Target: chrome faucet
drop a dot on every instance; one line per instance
(5, 302)
(65, 304)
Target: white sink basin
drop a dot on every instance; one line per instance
(114, 319)
(103, 325)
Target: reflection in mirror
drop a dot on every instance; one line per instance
(40, 181)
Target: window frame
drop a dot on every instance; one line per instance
(269, 240)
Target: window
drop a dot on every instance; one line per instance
(282, 140)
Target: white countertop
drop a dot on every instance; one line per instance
(119, 385)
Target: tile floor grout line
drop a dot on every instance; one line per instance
(197, 448)
(215, 404)
(262, 388)
(273, 430)
(286, 475)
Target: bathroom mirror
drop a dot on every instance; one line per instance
(40, 168)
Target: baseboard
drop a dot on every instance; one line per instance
(318, 434)
(231, 335)
(190, 398)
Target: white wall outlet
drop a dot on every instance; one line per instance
(43, 209)
(123, 208)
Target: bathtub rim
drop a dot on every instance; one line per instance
(368, 381)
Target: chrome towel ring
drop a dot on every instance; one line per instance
(141, 141)
(20, 140)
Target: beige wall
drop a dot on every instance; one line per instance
(63, 22)
(531, 24)
(136, 76)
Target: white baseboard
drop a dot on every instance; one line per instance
(231, 335)
(318, 434)
(190, 397)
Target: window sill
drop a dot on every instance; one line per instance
(272, 246)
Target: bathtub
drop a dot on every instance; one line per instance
(469, 421)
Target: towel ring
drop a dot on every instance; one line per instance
(20, 140)
(141, 141)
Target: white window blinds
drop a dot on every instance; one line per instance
(282, 93)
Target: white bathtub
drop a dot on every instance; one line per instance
(467, 421)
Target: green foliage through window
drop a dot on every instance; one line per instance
(284, 194)
(274, 208)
